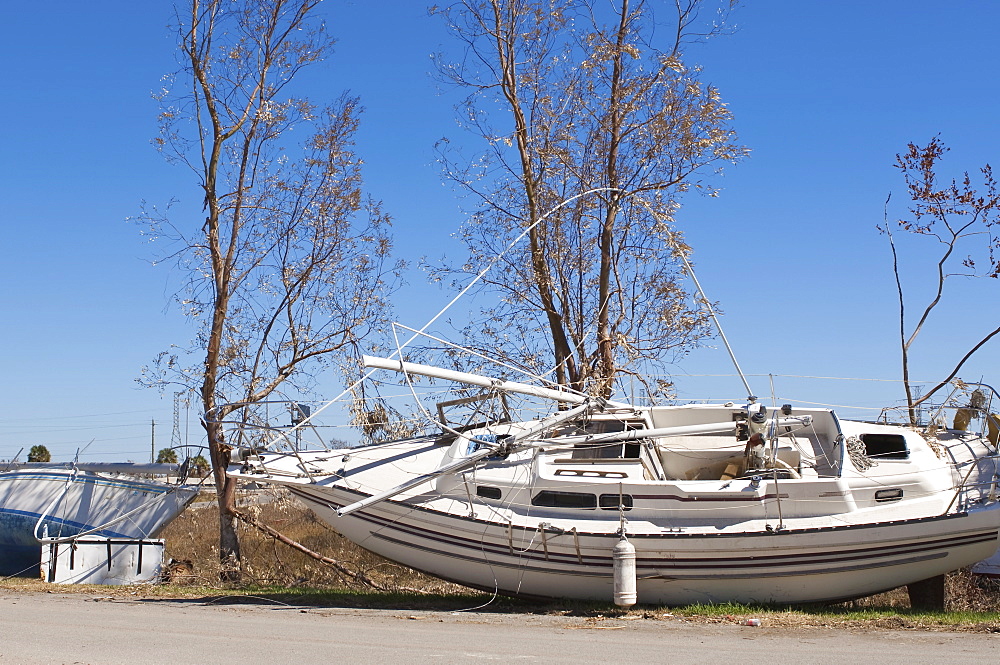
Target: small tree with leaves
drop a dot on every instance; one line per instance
(199, 466)
(959, 222)
(166, 456)
(39, 453)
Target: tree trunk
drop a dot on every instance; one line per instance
(606, 365)
(229, 543)
(229, 546)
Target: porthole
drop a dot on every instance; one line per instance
(894, 494)
(488, 492)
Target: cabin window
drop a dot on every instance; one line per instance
(615, 450)
(550, 499)
(488, 492)
(612, 501)
(608, 450)
(885, 446)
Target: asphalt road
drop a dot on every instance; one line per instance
(81, 628)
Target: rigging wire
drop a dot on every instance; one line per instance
(482, 273)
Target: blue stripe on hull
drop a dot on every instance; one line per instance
(20, 553)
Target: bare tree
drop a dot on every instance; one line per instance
(570, 97)
(290, 263)
(961, 222)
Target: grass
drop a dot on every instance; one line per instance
(832, 617)
(274, 573)
(849, 615)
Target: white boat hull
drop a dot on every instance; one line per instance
(840, 509)
(788, 566)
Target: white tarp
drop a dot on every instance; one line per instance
(989, 567)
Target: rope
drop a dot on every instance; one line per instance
(859, 454)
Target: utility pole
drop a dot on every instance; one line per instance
(152, 441)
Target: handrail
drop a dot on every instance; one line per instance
(964, 486)
(992, 397)
(128, 468)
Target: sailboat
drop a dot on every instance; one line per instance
(675, 504)
(57, 502)
(589, 498)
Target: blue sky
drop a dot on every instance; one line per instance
(824, 93)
